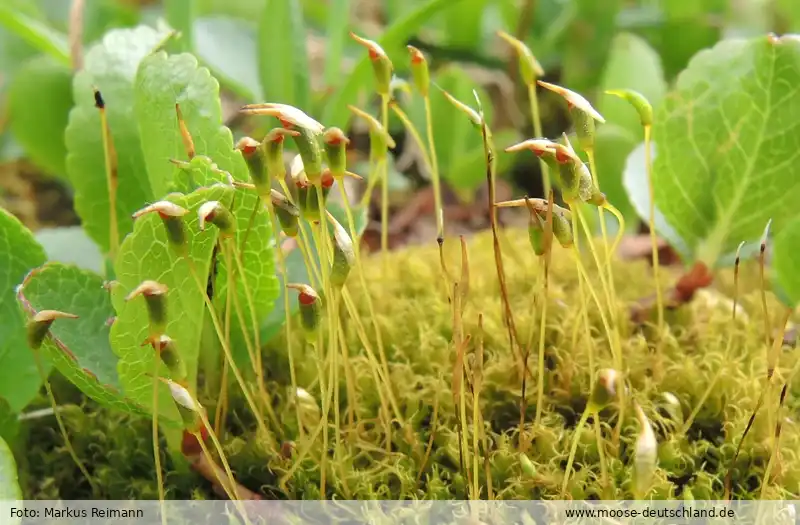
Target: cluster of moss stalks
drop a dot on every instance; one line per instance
(369, 459)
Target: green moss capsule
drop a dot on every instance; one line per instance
(253, 155)
(288, 214)
(336, 151)
(639, 103)
(215, 213)
(379, 139)
(39, 325)
(155, 296)
(310, 311)
(307, 143)
(419, 71)
(169, 355)
(606, 390)
(189, 409)
(529, 67)
(381, 65)
(272, 146)
(172, 217)
(343, 254)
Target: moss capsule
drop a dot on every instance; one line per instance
(310, 311)
(39, 325)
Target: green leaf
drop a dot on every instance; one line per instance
(36, 33)
(635, 182)
(283, 58)
(337, 34)
(632, 64)
(586, 43)
(79, 348)
(39, 101)
(111, 67)
(179, 15)
(228, 47)
(10, 490)
(463, 26)
(19, 253)
(146, 255)
(256, 244)
(728, 145)
(786, 263)
(336, 112)
(71, 245)
(161, 82)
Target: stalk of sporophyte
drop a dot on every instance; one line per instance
(422, 79)
(606, 390)
(584, 116)
(379, 144)
(38, 327)
(530, 70)
(196, 423)
(645, 111)
(213, 212)
(310, 320)
(383, 70)
(112, 177)
(336, 143)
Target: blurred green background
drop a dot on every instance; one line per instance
(299, 52)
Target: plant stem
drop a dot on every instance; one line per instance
(384, 183)
(537, 130)
(112, 176)
(572, 449)
(437, 188)
(653, 235)
(61, 427)
(156, 452)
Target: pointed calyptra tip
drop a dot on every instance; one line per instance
(606, 389)
(307, 295)
(645, 453)
(215, 213)
(182, 396)
(48, 316)
(148, 289)
(573, 99)
(375, 50)
(638, 101)
(417, 57)
(473, 115)
(335, 136)
(285, 113)
(765, 236)
(374, 125)
(206, 213)
(163, 208)
(529, 67)
(278, 135)
(537, 146)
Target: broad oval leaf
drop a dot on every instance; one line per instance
(729, 143)
(282, 57)
(10, 491)
(228, 46)
(39, 101)
(161, 82)
(36, 33)
(79, 348)
(19, 253)
(146, 254)
(786, 263)
(111, 67)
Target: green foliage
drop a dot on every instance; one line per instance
(146, 254)
(19, 253)
(727, 145)
(79, 348)
(111, 67)
(9, 485)
(228, 46)
(36, 33)
(336, 112)
(39, 101)
(337, 36)
(283, 58)
(786, 262)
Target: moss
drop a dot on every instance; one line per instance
(370, 458)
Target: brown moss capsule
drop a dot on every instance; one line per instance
(172, 216)
(310, 311)
(215, 213)
(288, 214)
(336, 150)
(381, 65)
(39, 325)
